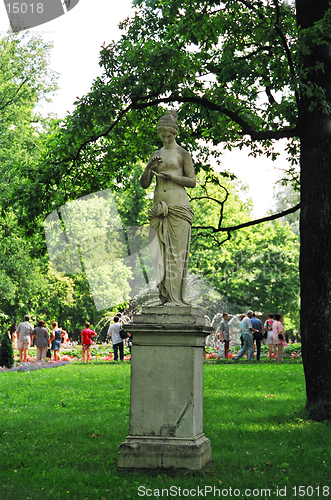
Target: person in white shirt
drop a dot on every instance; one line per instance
(114, 332)
(24, 331)
(247, 334)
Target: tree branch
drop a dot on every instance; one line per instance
(212, 236)
(246, 128)
(250, 223)
(95, 138)
(250, 6)
(282, 37)
(202, 101)
(11, 100)
(287, 50)
(271, 98)
(255, 52)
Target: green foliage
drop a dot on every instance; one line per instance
(254, 267)
(25, 82)
(217, 82)
(132, 201)
(6, 351)
(27, 282)
(286, 198)
(229, 69)
(310, 41)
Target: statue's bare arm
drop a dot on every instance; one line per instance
(186, 180)
(147, 176)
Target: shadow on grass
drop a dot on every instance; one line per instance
(61, 430)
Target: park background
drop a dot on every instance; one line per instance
(258, 268)
(267, 438)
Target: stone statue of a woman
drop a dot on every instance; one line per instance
(171, 216)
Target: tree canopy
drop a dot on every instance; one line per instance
(235, 82)
(27, 282)
(239, 72)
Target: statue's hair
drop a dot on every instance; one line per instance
(169, 122)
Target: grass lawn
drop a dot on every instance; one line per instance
(60, 431)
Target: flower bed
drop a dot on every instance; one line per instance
(35, 365)
(98, 352)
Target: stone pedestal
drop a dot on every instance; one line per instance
(166, 409)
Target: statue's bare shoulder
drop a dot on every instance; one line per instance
(185, 154)
(158, 152)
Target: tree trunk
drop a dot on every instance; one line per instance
(315, 225)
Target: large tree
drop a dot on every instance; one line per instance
(26, 81)
(240, 72)
(314, 21)
(27, 284)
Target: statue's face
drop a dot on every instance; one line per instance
(166, 137)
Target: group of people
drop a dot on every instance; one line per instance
(252, 330)
(27, 334)
(115, 335)
(275, 336)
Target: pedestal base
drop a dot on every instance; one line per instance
(166, 400)
(146, 453)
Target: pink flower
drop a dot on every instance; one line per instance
(211, 355)
(107, 358)
(66, 357)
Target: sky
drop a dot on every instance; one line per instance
(77, 37)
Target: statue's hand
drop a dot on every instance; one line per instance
(154, 162)
(165, 175)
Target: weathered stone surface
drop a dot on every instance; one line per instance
(171, 216)
(170, 315)
(166, 409)
(165, 453)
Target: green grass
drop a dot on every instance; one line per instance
(60, 431)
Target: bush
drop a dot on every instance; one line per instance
(6, 351)
(293, 351)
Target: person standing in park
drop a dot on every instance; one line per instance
(241, 330)
(42, 339)
(247, 334)
(87, 335)
(279, 336)
(257, 336)
(13, 337)
(57, 336)
(225, 334)
(114, 332)
(270, 337)
(24, 331)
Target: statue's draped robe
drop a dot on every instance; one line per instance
(170, 236)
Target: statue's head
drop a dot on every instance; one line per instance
(168, 123)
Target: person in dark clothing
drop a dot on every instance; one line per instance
(257, 335)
